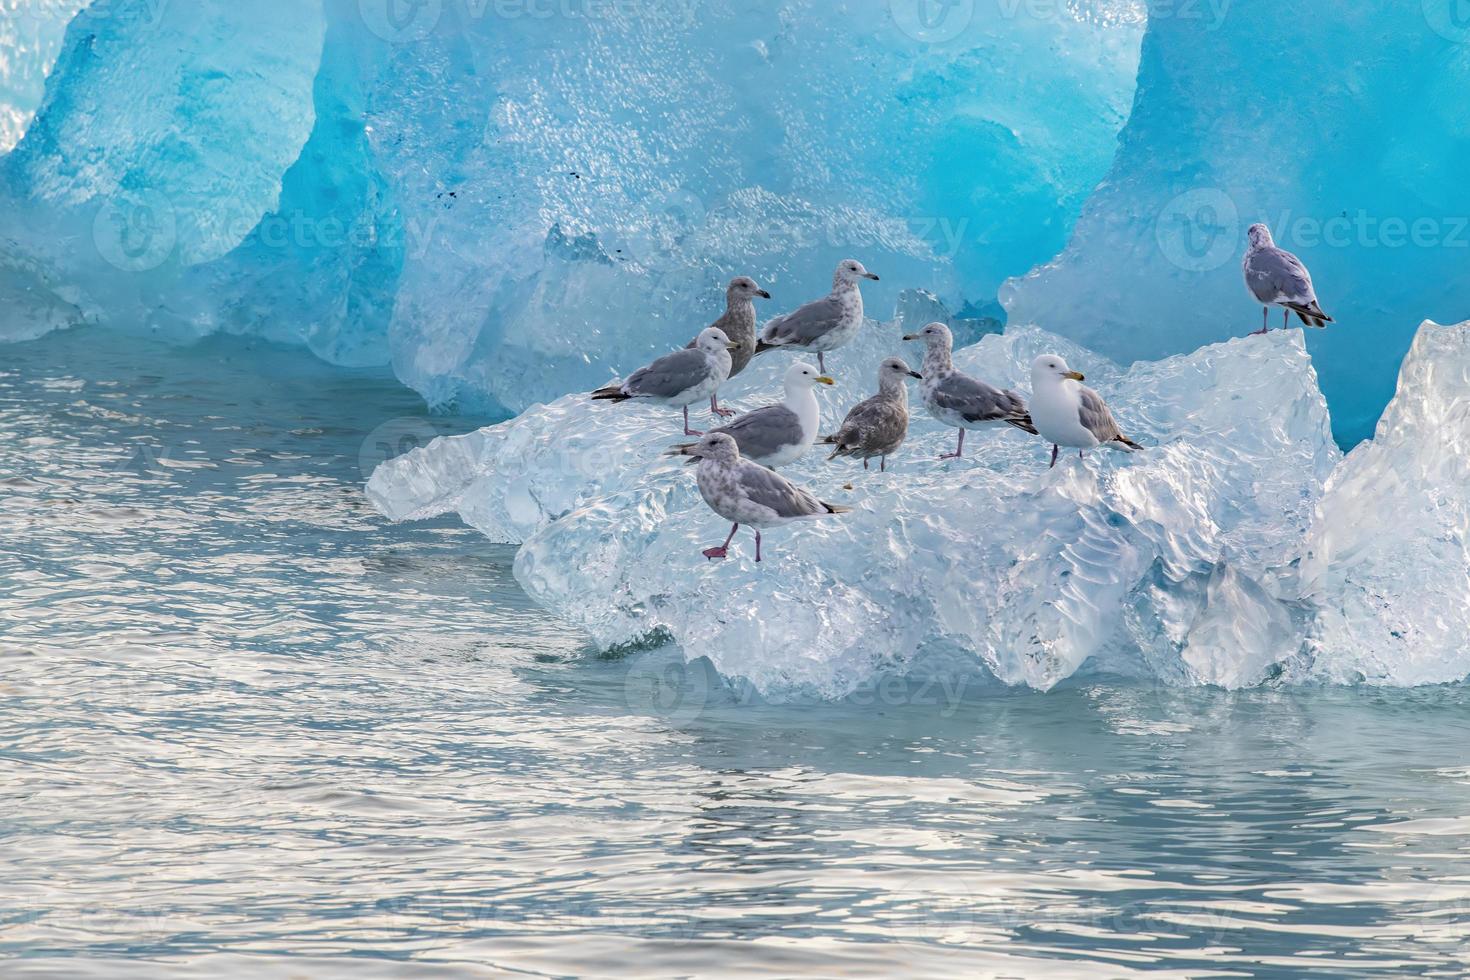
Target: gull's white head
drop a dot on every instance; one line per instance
(850, 271)
(801, 376)
(1052, 369)
(1259, 235)
(934, 335)
(712, 340)
(744, 288)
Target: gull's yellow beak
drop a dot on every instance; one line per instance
(1074, 375)
(824, 380)
(910, 336)
(732, 346)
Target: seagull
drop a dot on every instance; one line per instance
(957, 399)
(876, 426)
(748, 493)
(1275, 277)
(779, 434)
(823, 324)
(1068, 413)
(679, 379)
(738, 322)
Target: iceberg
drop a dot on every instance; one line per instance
(30, 38)
(1119, 563)
(507, 206)
(1356, 163)
(1387, 561)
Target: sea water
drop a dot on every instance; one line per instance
(248, 727)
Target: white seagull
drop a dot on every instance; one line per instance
(778, 435)
(1066, 413)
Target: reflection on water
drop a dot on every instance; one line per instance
(246, 727)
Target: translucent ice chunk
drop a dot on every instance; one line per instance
(1035, 572)
(1387, 563)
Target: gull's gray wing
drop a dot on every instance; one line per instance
(668, 376)
(765, 430)
(771, 489)
(875, 426)
(1274, 274)
(804, 324)
(976, 401)
(1097, 419)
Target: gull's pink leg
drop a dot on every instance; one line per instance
(722, 550)
(959, 450)
(821, 363)
(1265, 312)
(688, 431)
(757, 544)
(1079, 455)
(865, 462)
(715, 409)
(1285, 318)
(1054, 456)
(882, 464)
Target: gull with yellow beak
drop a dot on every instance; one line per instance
(1067, 413)
(778, 435)
(679, 379)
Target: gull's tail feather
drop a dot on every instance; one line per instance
(1310, 313)
(611, 393)
(761, 347)
(835, 508)
(1022, 422)
(1127, 442)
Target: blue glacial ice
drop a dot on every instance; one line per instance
(506, 206)
(30, 39)
(1351, 138)
(1121, 564)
